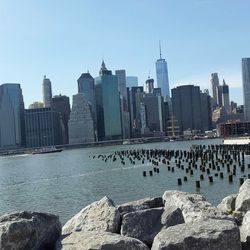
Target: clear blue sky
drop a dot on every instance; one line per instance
(64, 38)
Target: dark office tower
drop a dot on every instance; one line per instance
(121, 76)
(107, 105)
(149, 86)
(12, 130)
(47, 92)
(186, 104)
(162, 76)
(214, 86)
(135, 99)
(42, 127)
(60, 104)
(225, 96)
(246, 86)
(206, 115)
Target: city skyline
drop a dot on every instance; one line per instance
(63, 44)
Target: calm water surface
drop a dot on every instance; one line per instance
(63, 183)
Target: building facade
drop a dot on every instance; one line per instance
(42, 127)
(214, 82)
(12, 129)
(81, 122)
(107, 105)
(47, 92)
(149, 86)
(225, 97)
(246, 86)
(131, 81)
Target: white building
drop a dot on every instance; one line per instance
(246, 86)
(47, 92)
(81, 124)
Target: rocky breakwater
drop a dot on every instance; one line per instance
(175, 221)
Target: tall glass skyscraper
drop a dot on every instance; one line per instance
(47, 92)
(12, 131)
(107, 105)
(246, 86)
(162, 76)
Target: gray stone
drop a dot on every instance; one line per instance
(99, 240)
(242, 202)
(140, 205)
(100, 215)
(205, 235)
(143, 224)
(193, 206)
(29, 230)
(245, 228)
(227, 205)
(172, 216)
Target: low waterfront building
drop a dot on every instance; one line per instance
(234, 129)
(81, 122)
(42, 127)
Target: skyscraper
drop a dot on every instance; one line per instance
(107, 105)
(214, 81)
(12, 130)
(81, 124)
(246, 86)
(225, 96)
(47, 92)
(162, 76)
(149, 86)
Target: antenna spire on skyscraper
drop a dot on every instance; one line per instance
(160, 47)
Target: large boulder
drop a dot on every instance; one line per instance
(99, 240)
(245, 230)
(206, 235)
(172, 216)
(140, 205)
(193, 206)
(143, 224)
(227, 205)
(242, 203)
(100, 215)
(29, 230)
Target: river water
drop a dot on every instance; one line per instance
(63, 183)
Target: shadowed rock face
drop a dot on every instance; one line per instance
(29, 230)
(100, 215)
(206, 235)
(193, 206)
(89, 240)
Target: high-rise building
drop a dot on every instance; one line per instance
(149, 86)
(246, 86)
(12, 129)
(107, 105)
(47, 92)
(36, 105)
(121, 77)
(186, 104)
(42, 127)
(60, 104)
(86, 85)
(81, 123)
(206, 115)
(214, 81)
(162, 76)
(225, 96)
(131, 81)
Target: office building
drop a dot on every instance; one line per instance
(246, 87)
(149, 86)
(81, 122)
(12, 130)
(214, 82)
(131, 81)
(206, 115)
(36, 105)
(107, 105)
(42, 127)
(162, 76)
(186, 104)
(225, 96)
(60, 104)
(47, 92)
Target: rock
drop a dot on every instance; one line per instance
(29, 230)
(100, 215)
(245, 229)
(227, 205)
(206, 235)
(99, 240)
(140, 205)
(193, 206)
(172, 216)
(242, 202)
